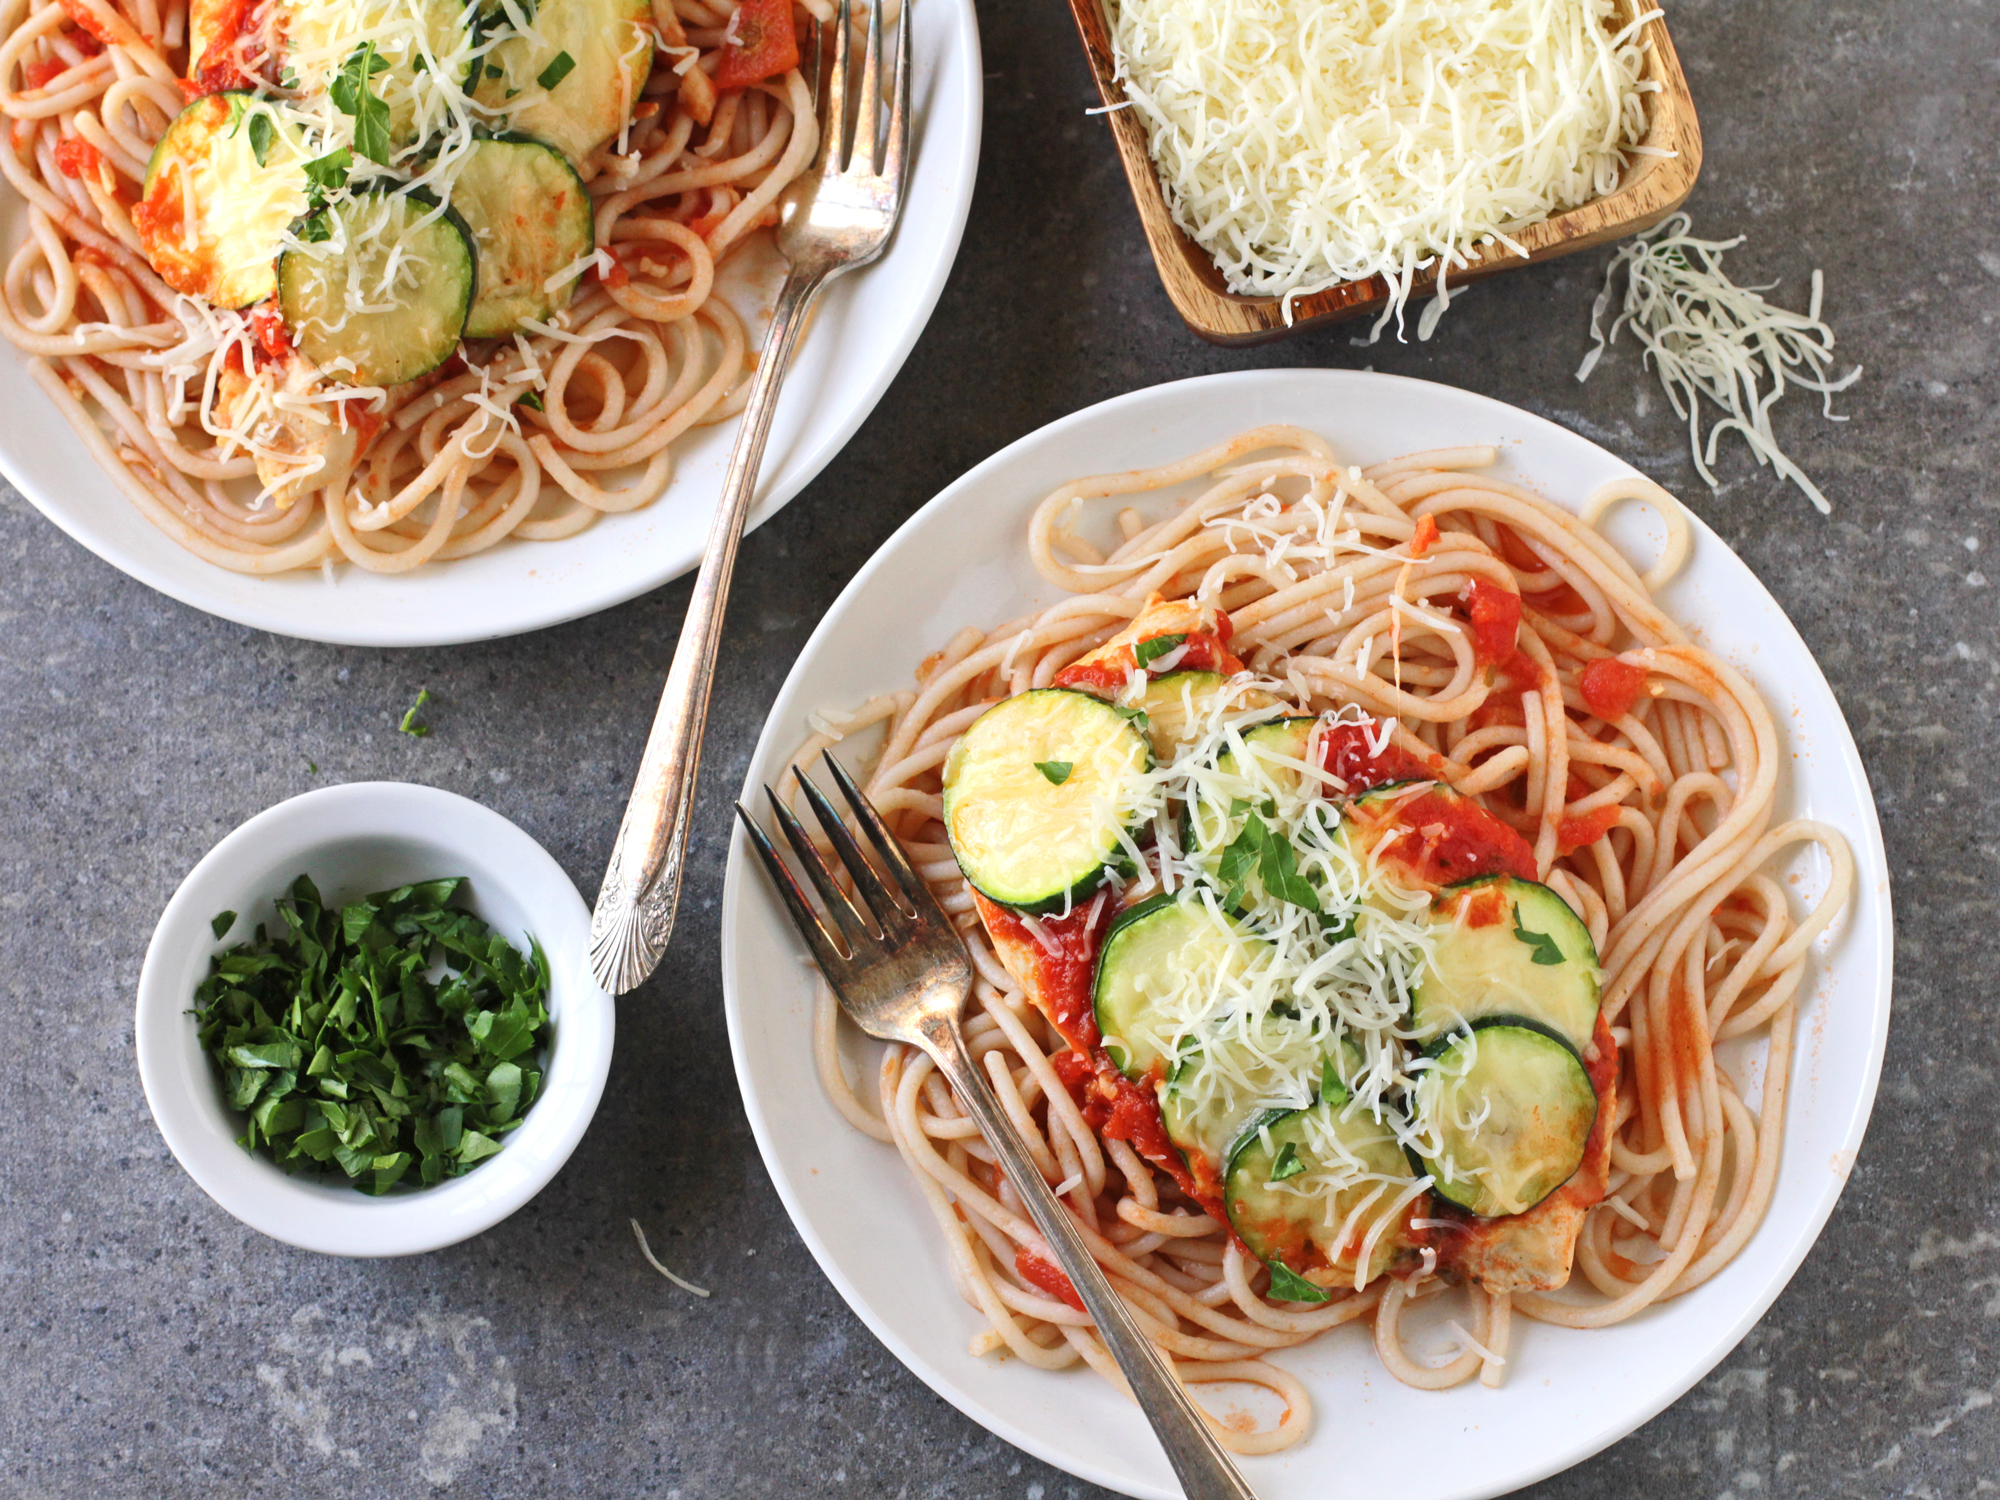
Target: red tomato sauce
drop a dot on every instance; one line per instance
(221, 57)
(1037, 1270)
(76, 157)
(759, 44)
(1440, 838)
(269, 325)
(1059, 981)
(1202, 651)
(1122, 1110)
(1574, 833)
(88, 22)
(1346, 751)
(1426, 536)
(1496, 621)
(1611, 686)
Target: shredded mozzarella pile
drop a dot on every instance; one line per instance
(1307, 144)
(1705, 336)
(1296, 983)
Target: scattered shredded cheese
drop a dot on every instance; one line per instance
(1705, 336)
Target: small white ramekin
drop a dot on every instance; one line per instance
(352, 840)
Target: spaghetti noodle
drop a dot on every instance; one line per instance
(1502, 641)
(533, 436)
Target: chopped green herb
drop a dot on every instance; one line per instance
(1261, 852)
(1331, 1089)
(1148, 652)
(387, 1039)
(530, 399)
(262, 131)
(410, 725)
(1287, 1163)
(221, 922)
(1547, 950)
(558, 69)
(352, 96)
(1288, 1286)
(1057, 771)
(311, 767)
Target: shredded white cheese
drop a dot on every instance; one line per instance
(1705, 336)
(1307, 144)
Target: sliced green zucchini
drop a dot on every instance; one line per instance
(1037, 794)
(1507, 947)
(530, 219)
(1171, 705)
(413, 41)
(1509, 1108)
(1263, 774)
(574, 75)
(1205, 1106)
(383, 298)
(1152, 953)
(225, 181)
(1309, 1188)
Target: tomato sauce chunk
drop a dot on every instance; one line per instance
(1062, 968)
(1442, 838)
(1348, 752)
(1574, 833)
(1611, 686)
(1039, 1271)
(77, 158)
(1496, 621)
(759, 44)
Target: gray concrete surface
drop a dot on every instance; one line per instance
(152, 1346)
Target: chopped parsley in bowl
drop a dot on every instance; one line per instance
(386, 1041)
(453, 986)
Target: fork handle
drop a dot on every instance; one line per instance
(1204, 1469)
(634, 915)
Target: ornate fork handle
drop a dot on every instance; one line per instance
(635, 908)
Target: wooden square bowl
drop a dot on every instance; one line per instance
(1651, 188)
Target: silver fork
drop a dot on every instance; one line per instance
(838, 215)
(905, 977)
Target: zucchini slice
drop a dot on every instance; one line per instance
(1151, 952)
(1171, 705)
(530, 219)
(320, 39)
(1037, 794)
(1510, 1109)
(211, 216)
(1264, 776)
(383, 298)
(1507, 946)
(1309, 1188)
(574, 77)
(1207, 1112)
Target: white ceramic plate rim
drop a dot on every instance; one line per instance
(179, 1083)
(868, 323)
(1229, 403)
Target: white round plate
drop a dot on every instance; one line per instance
(962, 560)
(862, 331)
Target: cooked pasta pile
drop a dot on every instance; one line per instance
(1651, 809)
(533, 436)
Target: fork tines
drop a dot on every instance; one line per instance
(866, 149)
(895, 916)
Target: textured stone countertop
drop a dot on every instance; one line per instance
(152, 1346)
